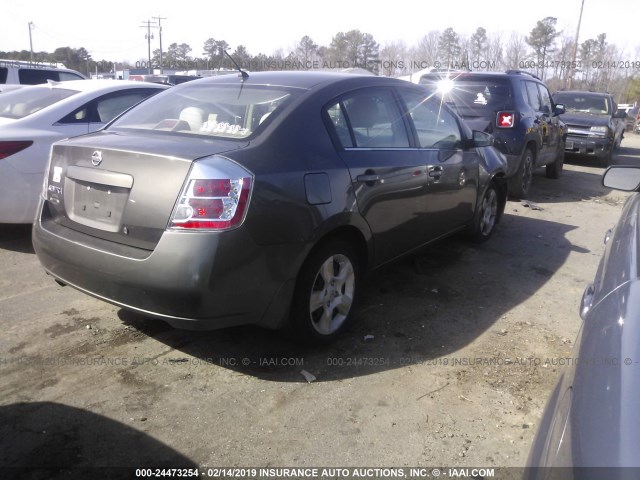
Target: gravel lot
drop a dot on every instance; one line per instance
(450, 362)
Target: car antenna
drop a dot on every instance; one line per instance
(243, 75)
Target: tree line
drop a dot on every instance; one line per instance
(545, 51)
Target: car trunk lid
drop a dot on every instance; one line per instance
(122, 188)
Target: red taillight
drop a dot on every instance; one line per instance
(506, 119)
(211, 188)
(215, 196)
(11, 147)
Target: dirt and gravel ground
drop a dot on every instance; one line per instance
(450, 362)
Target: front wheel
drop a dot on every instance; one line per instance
(520, 184)
(325, 292)
(486, 217)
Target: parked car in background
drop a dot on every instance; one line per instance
(517, 109)
(32, 118)
(262, 199)
(595, 126)
(631, 121)
(34, 73)
(591, 419)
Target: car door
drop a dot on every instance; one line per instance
(452, 172)
(540, 121)
(552, 122)
(388, 174)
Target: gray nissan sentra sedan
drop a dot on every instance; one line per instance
(262, 199)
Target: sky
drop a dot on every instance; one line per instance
(112, 30)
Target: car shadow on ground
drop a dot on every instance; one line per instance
(45, 440)
(572, 186)
(429, 305)
(16, 238)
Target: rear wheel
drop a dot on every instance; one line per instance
(554, 170)
(520, 184)
(325, 292)
(486, 217)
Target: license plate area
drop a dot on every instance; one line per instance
(95, 205)
(568, 145)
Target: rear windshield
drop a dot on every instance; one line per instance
(471, 96)
(583, 103)
(212, 110)
(29, 100)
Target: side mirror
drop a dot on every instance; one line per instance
(560, 109)
(622, 177)
(482, 139)
(620, 114)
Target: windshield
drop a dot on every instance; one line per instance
(218, 110)
(471, 96)
(594, 104)
(29, 100)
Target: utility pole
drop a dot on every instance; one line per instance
(160, 35)
(572, 67)
(31, 27)
(149, 37)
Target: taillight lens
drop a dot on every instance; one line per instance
(506, 119)
(11, 147)
(215, 197)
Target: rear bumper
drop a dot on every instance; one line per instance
(595, 147)
(190, 280)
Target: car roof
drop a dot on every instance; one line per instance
(92, 85)
(584, 92)
(299, 79)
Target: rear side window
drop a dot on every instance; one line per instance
(339, 122)
(65, 76)
(374, 120)
(533, 96)
(4, 72)
(545, 99)
(36, 76)
(107, 107)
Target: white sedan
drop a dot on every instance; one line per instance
(32, 118)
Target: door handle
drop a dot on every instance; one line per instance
(368, 178)
(436, 172)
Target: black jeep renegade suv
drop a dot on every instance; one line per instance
(517, 108)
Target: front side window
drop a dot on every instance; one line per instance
(374, 120)
(435, 126)
(211, 110)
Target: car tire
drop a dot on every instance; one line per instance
(325, 293)
(520, 184)
(607, 160)
(486, 217)
(554, 170)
